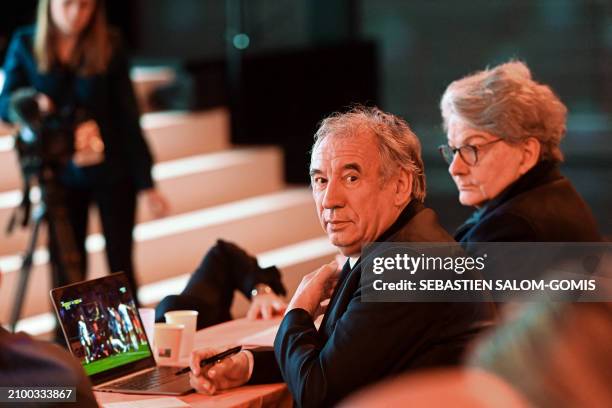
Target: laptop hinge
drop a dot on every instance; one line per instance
(134, 374)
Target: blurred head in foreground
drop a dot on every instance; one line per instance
(440, 388)
(554, 354)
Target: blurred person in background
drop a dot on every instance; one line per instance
(504, 131)
(556, 354)
(78, 68)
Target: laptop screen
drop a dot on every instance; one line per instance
(102, 325)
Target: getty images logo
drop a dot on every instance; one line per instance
(412, 264)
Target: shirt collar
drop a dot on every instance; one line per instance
(406, 214)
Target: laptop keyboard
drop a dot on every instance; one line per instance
(148, 380)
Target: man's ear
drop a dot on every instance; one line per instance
(530, 149)
(403, 187)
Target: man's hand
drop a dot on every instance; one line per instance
(266, 306)
(230, 372)
(315, 288)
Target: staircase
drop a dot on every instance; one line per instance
(215, 190)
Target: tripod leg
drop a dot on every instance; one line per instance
(52, 209)
(24, 275)
(61, 233)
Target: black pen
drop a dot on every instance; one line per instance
(212, 359)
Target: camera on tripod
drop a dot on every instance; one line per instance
(44, 141)
(45, 144)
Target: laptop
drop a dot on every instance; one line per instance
(103, 330)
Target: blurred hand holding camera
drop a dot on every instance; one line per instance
(88, 144)
(45, 104)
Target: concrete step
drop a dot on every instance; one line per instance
(146, 80)
(10, 175)
(176, 134)
(171, 135)
(189, 184)
(173, 246)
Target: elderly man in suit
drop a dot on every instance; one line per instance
(368, 185)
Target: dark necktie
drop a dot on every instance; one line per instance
(346, 269)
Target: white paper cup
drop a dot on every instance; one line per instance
(147, 315)
(187, 318)
(167, 343)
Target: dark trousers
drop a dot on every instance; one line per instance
(224, 269)
(117, 209)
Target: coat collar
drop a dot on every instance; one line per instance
(542, 173)
(416, 223)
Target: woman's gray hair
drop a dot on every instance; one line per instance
(398, 146)
(507, 102)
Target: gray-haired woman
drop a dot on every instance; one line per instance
(503, 152)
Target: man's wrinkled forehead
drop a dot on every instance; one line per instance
(344, 151)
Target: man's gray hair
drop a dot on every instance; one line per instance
(508, 103)
(397, 145)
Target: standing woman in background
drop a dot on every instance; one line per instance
(77, 67)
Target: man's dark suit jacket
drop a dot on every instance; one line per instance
(360, 343)
(541, 206)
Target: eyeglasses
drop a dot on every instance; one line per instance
(469, 153)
